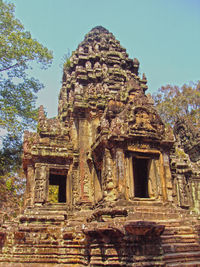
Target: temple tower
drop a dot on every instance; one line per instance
(105, 186)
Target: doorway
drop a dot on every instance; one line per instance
(140, 175)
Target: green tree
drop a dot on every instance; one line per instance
(18, 52)
(17, 90)
(173, 102)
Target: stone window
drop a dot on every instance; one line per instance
(59, 183)
(144, 172)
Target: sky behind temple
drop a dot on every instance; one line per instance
(163, 34)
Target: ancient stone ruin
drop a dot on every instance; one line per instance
(124, 194)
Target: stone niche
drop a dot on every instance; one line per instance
(104, 185)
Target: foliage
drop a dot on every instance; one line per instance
(66, 60)
(17, 90)
(173, 102)
(53, 193)
(18, 52)
(12, 180)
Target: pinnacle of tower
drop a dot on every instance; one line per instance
(99, 29)
(99, 68)
(102, 36)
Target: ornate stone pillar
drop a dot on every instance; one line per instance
(85, 176)
(120, 172)
(183, 191)
(41, 181)
(30, 184)
(109, 183)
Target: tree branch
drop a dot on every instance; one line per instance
(13, 66)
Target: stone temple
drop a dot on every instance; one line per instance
(123, 195)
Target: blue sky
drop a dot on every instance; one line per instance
(163, 34)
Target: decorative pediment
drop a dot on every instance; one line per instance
(189, 138)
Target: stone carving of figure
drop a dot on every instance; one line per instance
(97, 65)
(104, 69)
(183, 192)
(90, 49)
(96, 47)
(88, 65)
(143, 120)
(40, 184)
(39, 190)
(116, 126)
(78, 89)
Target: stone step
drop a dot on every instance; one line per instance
(140, 215)
(56, 207)
(41, 218)
(39, 227)
(181, 230)
(46, 209)
(165, 209)
(180, 247)
(186, 264)
(182, 257)
(147, 202)
(171, 224)
(45, 212)
(178, 238)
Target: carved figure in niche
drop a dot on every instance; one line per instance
(185, 133)
(183, 192)
(108, 184)
(40, 184)
(120, 164)
(78, 67)
(97, 65)
(116, 126)
(96, 48)
(90, 49)
(78, 89)
(157, 124)
(88, 65)
(40, 190)
(143, 120)
(185, 136)
(85, 186)
(104, 69)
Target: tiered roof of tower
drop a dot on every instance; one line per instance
(98, 70)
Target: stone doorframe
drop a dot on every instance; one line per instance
(41, 179)
(161, 170)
